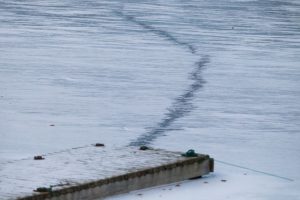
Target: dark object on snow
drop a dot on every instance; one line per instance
(143, 148)
(99, 145)
(43, 189)
(190, 153)
(38, 158)
(195, 178)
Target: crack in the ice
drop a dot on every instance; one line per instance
(183, 104)
(159, 32)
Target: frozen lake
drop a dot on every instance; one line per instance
(222, 77)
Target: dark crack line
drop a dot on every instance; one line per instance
(183, 104)
(161, 33)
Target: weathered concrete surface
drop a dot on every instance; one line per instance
(94, 172)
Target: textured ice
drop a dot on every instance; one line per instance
(115, 71)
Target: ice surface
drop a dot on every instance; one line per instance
(113, 71)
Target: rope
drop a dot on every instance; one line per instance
(254, 170)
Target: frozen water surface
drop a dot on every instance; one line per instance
(221, 77)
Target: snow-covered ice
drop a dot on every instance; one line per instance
(127, 72)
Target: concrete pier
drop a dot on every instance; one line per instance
(95, 172)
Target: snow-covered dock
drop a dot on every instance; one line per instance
(96, 171)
